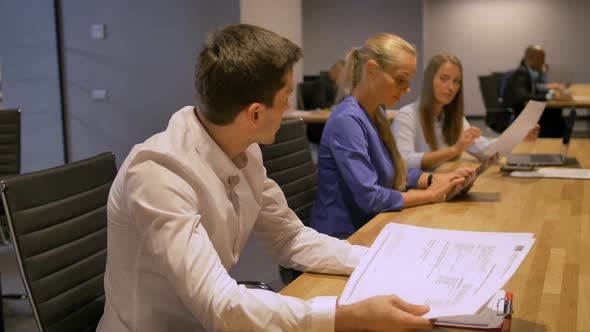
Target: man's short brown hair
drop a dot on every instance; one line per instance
(238, 66)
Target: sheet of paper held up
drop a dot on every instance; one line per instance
(455, 272)
(518, 130)
(546, 172)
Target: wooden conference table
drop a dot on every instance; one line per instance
(581, 98)
(319, 116)
(552, 286)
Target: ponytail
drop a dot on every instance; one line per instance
(351, 74)
(384, 131)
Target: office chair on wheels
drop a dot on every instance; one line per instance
(288, 162)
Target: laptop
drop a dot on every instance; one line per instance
(478, 171)
(537, 159)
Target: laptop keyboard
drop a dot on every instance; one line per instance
(542, 158)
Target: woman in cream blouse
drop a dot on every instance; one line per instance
(433, 129)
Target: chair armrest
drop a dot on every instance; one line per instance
(14, 297)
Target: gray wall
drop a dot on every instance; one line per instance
(492, 35)
(331, 27)
(145, 63)
(30, 79)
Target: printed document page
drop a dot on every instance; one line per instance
(455, 272)
(518, 130)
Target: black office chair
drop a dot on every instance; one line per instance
(310, 78)
(305, 95)
(58, 221)
(307, 101)
(9, 155)
(288, 162)
(498, 117)
(504, 77)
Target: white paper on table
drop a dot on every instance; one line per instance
(518, 130)
(455, 272)
(546, 172)
(580, 98)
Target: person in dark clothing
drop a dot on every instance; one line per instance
(324, 95)
(326, 86)
(526, 84)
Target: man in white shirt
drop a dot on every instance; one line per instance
(185, 201)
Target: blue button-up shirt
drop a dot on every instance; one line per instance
(355, 173)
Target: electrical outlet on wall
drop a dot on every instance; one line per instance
(98, 94)
(97, 31)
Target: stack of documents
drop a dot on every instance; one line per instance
(564, 173)
(490, 317)
(455, 272)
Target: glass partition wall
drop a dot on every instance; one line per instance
(30, 79)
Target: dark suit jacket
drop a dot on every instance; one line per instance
(520, 89)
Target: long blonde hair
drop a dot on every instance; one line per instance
(452, 113)
(386, 50)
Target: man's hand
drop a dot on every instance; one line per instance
(560, 95)
(382, 313)
(555, 86)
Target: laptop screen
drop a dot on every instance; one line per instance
(569, 126)
(567, 133)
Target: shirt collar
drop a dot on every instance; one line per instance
(353, 100)
(220, 163)
(532, 73)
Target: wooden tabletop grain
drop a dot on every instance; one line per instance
(552, 286)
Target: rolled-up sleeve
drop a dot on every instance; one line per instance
(166, 212)
(404, 130)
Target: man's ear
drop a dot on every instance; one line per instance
(253, 113)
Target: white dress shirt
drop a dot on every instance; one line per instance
(411, 143)
(179, 213)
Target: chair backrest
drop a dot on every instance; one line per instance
(9, 142)
(310, 78)
(57, 220)
(498, 116)
(305, 95)
(488, 85)
(288, 162)
(503, 81)
(9, 154)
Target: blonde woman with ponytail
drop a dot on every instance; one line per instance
(360, 170)
(434, 130)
